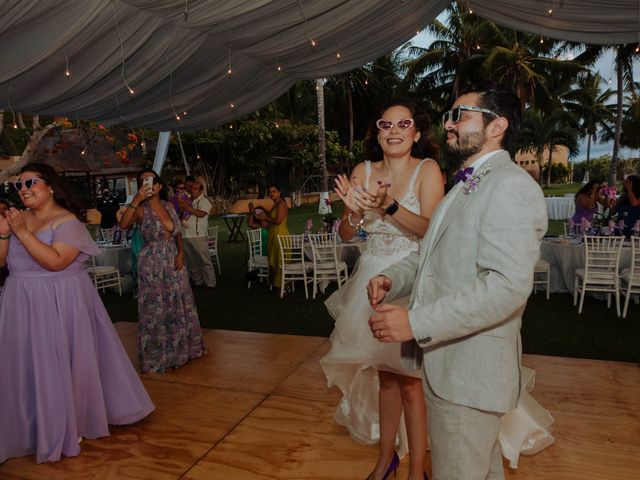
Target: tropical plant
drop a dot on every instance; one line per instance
(542, 131)
(588, 103)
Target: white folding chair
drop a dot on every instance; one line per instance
(212, 241)
(542, 276)
(600, 272)
(631, 275)
(292, 262)
(326, 266)
(257, 261)
(107, 234)
(103, 276)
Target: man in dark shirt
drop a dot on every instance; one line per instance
(108, 206)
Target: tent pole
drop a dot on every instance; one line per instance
(184, 158)
(161, 151)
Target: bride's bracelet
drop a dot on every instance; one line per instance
(358, 226)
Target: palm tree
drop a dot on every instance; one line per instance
(542, 131)
(625, 55)
(588, 103)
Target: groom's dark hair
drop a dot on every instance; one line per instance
(501, 100)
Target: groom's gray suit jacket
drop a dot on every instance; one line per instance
(469, 284)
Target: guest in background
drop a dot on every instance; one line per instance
(180, 194)
(168, 326)
(4, 271)
(587, 200)
(263, 225)
(108, 206)
(65, 373)
(277, 221)
(631, 194)
(196, 248)
(627, 207)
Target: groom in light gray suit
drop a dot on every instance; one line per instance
(469, 285)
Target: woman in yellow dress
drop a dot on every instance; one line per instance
(277, 220)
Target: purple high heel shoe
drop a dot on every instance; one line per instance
(393, 466)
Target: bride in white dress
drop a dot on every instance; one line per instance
(375, 388)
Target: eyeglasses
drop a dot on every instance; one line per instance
(28, 182)
(403, 124)
(455, 113)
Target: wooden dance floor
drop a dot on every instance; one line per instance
(257, 407)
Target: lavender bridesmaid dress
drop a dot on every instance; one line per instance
(64, 374)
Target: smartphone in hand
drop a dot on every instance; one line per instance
(148, 182)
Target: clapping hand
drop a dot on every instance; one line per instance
(348, 192)
(16, 221)
(373, 201)
(5, 229)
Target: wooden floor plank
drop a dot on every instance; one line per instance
(257, 407)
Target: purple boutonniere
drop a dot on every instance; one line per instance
(472, 180)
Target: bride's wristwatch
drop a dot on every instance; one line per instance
(393, 208)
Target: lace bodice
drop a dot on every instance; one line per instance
(385, 238)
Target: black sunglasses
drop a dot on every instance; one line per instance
(27, 182)
(455, 113)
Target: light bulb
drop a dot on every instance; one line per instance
(232, 105)
(177, 117)
(198, 156)
(82, 152)
(313, 42)
(277, 126)
(229, 71)
(550, 12)
(470, 11)
(338, 55)
(184, 114)
(231, 126)
(477, 46)
(279, 68)
(638, 48)
(366, 82)
(15, 125)
(541, 39)
(131, 92)
(67, 72)
(142, 144)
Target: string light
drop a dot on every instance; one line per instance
(277, 125)
(184, 114)
(66, 62)
(232, 105)
(550, 11)
(469, 7)
(142, 144)
(15, 125)
(306, 27)
(338, 56)
(175, 113)
(637, 48)
(366, 82)
(541, 39)
(279, 68)
(115, 16)
(229, 70)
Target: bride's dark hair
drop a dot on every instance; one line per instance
(423, 148)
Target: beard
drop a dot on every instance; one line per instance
(466, 145)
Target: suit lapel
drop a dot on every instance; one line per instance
(497, 161)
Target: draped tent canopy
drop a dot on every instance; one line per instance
(175, 55)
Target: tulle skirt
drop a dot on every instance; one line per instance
(355, 357)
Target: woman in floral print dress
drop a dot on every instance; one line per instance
(168, 326)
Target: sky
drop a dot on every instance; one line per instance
(606, 68)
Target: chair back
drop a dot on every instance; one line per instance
(291, 250)
(323, 246)
(255, 243)
(212, 232)
(602, 257)
(107, 234)
(635, 259)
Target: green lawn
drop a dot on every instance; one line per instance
(550, 327)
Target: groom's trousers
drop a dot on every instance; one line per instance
(464, 440)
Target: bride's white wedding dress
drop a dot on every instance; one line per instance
(355, 357)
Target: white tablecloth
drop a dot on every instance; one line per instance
(560, 208)
(348, 252)
(119, 256)
(565, 258)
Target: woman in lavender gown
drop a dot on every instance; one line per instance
(65, 374)
(168, 326)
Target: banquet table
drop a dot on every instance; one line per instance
(116, 256)
(567, 255)
(348, 252)
(560, 208)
